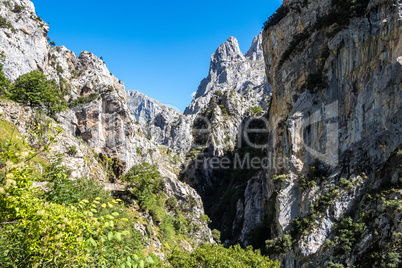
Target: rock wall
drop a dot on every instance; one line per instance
(336, 108)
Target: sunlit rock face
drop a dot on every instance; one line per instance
(99, 120)
(231, 70)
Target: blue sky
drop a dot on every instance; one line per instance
(161, 48)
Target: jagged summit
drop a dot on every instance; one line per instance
(227, 53)
(230, 69)
(255, 52)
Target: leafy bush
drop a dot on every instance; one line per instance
(210, 255)
(279, 245)
(349, 233)
(280, 178)
(83, 100)
(18, 8)
(256, 110)
(216, 235)
(276, 17)
(346, 184)
(60, 228)
(33, 89)
(72, 150)
(4, 23)
(335, 265)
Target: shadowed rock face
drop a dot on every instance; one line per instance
(351, 80)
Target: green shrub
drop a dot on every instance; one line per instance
(393, 260)
(279, 178)
(72, 150)
(223, 110)
(59, 228)
(210, 255)
(4, 23)
(255, 110)
(83, 100)
(218, 93)
(349, 233)
(306, 182)
(216, 235)
(18, 8)
(33, 89)
(335, 265)
(275, 18)
(346, 184)
(279, 245)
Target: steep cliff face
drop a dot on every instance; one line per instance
(163, 125)
(335, 121)
(233, 97)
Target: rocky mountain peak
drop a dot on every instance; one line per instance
(230, 69)
(227, 53)
(255, 52)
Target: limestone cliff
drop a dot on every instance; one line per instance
(335, 120)
(163, 125)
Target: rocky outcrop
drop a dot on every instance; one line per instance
(143, 107)
(163, 125)
(76, 156)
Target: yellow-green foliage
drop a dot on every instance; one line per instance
(211, 255)
(54, 229)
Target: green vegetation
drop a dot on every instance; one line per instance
(209, 255)
(218, 93)
(276, 17)
(256, 110)
(114, 167)
(76, 224)
(33, 89)
(223, 110)
(4, 23)
(18, 8)
(72, 150)
(83, 100)
(216, 235)
(348, 234)
(279, 178)
(335, 265)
